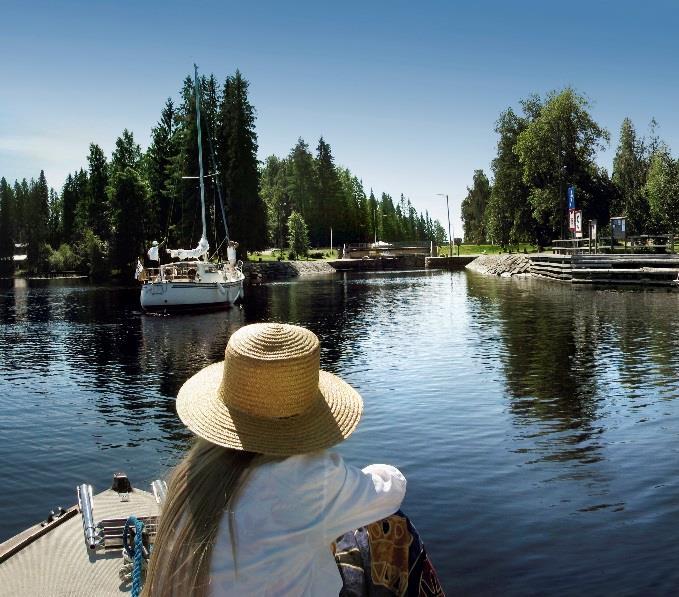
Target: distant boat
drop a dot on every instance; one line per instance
(193, 282)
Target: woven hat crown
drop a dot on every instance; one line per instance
(271, 370)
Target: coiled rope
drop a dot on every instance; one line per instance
(138, 554)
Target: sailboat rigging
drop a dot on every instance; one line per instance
(194, 282)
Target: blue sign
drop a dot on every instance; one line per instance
(571, 197)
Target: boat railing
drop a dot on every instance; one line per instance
(150, 274)
(189, 272)
(109, 532)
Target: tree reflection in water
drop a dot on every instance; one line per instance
(571, 355)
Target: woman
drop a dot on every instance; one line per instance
(255, 506)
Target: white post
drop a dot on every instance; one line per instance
(331, 240)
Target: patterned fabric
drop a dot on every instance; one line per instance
(384, 559)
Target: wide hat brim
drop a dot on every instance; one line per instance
(333, 416)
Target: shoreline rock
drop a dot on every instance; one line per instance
(257, 272)
(505, 265)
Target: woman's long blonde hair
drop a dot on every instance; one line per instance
(201, 488)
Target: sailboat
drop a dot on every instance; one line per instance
(193, 282)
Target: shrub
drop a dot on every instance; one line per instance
(298, 235)
(63, 259)
(94, 253)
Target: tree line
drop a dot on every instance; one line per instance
(551, 144)
(329, 197)
(108, 212)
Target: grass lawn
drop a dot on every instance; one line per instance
(321, 254)
(324, 253)
(466, 249)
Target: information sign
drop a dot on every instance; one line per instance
(571, 220)
(618, 228)
(571, 197)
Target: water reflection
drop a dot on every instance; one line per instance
(549, 358)
(535, 422)
(570, 357)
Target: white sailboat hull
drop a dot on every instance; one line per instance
(168, 295)
(191, 285)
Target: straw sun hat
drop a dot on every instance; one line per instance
(269, 395)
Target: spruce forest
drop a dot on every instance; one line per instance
(551, 145)
(110, 211)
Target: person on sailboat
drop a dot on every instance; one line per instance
(258, 501)
(153, 252)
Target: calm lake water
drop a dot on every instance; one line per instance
(538, 425)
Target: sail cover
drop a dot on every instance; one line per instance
(153, 252)
(196, 253)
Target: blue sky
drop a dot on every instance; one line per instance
(406, 93)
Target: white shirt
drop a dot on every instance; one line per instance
(286, 517)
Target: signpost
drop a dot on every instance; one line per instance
(618, 230)
(592, 235)
(572, 213)
(578, 223)
(571, 197)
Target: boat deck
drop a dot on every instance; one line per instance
(59, 563)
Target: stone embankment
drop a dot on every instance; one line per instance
(257, 272)
(512, 264)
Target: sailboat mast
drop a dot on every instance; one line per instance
(200, 150)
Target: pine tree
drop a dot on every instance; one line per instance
(69, 202)
(372, 218)
(37, 227)
(128, 204)
(237, 147)
(185, 189)
(96, 198)
(21, 211)
(301, 179)
(474, 208)
(389, 221)
(128, 196)
(127, 154)
(328, 209)
(6, 229)
(54, 224)
(80, 189)
(159, 163)
(629, 177)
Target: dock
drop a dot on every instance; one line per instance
(607, 269)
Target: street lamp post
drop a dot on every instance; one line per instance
(450, 237)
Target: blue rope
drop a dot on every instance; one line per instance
(138, 554)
